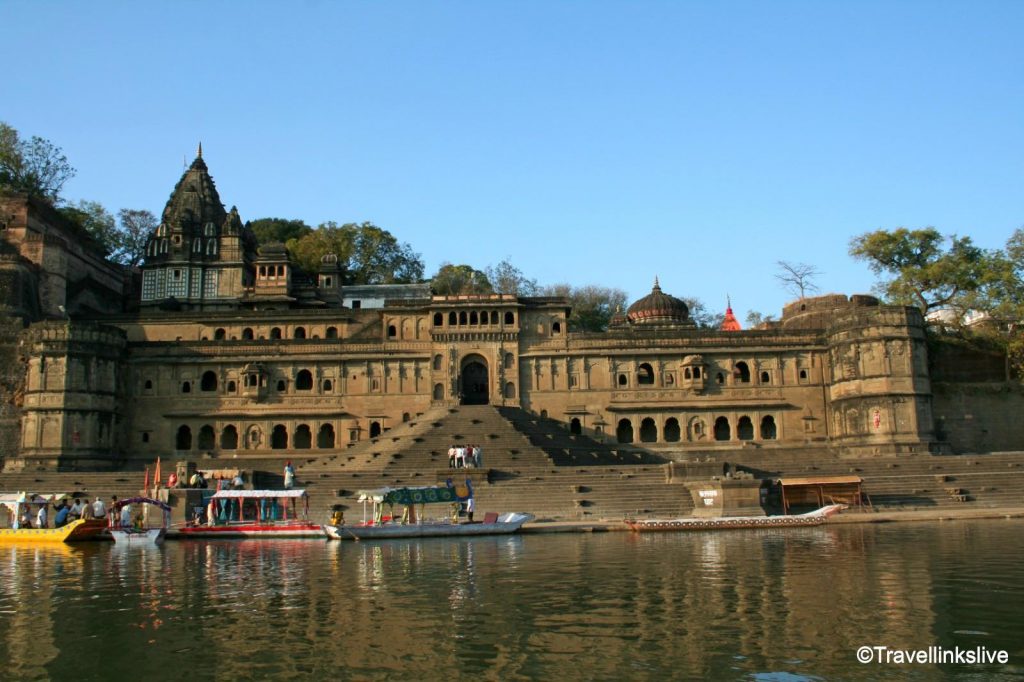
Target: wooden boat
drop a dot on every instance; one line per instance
(16, 503)
(131, 535)
(814, 518)
(234, 514)
(413, 525)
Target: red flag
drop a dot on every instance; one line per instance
(145, 486)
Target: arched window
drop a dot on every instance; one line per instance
(405, 417)
(303, 437)
(206, 438)
(556, 328)
(722, 429)
(275, 333)
(186, 387)
(719, 378)
(392, 331)
(331, 333)
(622, 380)
(768, 431)
(304, 380)
(510, 390)
(183, 440)
(645, 374)
(686, 373)
(438, 392)
(510, 361)
(208, 382)
(803, 375)
(494, 317)
(575, 427)
(452, 319)
(624, 432)
(765, 379)
(374, 429)
(325, 439)
(219, 335)
(300, 333)
(672, 430)
(247, 334)
(462, 317)
(281, 386)
(648, 431)
(279, 437)
(149, 385)
(696, 372)
(745, 428)
(229, 438)
(742, 373)
(438, 319)
(473, 319)
(510, 317)
(437, 362)
(328, 386)
(231, 387)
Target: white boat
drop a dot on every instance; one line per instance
(138, 535)
(412, 524)
(502, 524)
(813, 518)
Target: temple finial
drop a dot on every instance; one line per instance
(199, 154)
(656, 285)
(728, 302)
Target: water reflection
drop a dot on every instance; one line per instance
(740, 605)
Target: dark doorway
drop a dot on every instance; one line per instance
(474, 381)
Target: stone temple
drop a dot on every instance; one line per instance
(223, 351)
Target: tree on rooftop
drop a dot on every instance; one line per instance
(454, 280)
(508, 279)
(35, 166)
(96, 221)
(369, 254)
(592, 306)
(282, 230)
(797, 278)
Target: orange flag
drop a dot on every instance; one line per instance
(145, 485)
(156, 474)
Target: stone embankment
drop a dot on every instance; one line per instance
(532, 464)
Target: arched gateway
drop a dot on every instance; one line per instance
(473, 380)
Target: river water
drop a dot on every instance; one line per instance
(745, 605)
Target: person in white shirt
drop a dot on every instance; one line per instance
(41, 517)
(126, 516)
(470, 506)
(99, 510)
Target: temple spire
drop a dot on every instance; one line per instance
(199, 154)
(656, 285)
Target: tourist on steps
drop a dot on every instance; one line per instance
(289, 475)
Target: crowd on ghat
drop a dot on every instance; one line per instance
(463, 456)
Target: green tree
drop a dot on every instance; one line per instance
(921, 270)
(35, 166)
(755, 319)
(508, 279)
(97, 222)
(368, 254)
(592, 306)
(135, 228)
(701, 315)
(454, 280)
(269, 230)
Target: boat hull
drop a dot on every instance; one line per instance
(815, 518)
(149, 536)
(390, 531)
(76, 531)
(249, 531)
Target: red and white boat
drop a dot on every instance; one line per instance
(253, 514)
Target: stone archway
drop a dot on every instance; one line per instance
(473, 381)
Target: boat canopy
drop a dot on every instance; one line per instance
(419, 494)
(140, 500)
(29, 498)
(256, 494)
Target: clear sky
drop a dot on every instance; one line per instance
(589, 142)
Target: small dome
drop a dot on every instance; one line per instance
(658, 308)
(618, 319)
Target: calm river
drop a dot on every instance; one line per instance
(750, 605)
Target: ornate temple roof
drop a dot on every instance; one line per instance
(730, 323)
(194, 202)
(658, 307)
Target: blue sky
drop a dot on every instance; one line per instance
(589, 142)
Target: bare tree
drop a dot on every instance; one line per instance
(798, 278)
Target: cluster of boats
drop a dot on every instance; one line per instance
(285, 514)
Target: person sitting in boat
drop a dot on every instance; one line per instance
(26, 518)
(126, 516)
(86, 510)
(41, 517)
(76, 510)
(289, 475)
(99, 510)
(61, 517)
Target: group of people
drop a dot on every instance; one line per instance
(64, 512)
(460, 456)
(198, 480)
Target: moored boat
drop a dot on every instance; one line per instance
(130, 534)
(18, 505)
(413, 524)
(813, 518)
(235, 514)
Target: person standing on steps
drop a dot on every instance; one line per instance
(470, 506)
(289, 475)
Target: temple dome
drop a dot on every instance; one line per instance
(658, 307)
(194, 203)
(730, 323)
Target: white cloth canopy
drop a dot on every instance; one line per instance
(248, 494)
